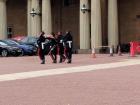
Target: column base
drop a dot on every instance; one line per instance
(89, 51)
(84, 51)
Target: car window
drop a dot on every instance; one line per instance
(32, 39)
(9, 42)
(13, 42)
(24, 40)
(4, 44)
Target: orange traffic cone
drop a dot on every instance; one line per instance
(93, 53)
(132, 51)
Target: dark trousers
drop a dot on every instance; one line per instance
(41, 54)
(61, 53)
(53, 54)
(68, 53)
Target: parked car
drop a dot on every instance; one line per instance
(26, 49)
(6, 50)
(29, 40)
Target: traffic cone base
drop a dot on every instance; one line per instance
(119, 51)
(93, 55)
(111, 54)
(111, 51)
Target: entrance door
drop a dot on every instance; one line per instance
(10, 31)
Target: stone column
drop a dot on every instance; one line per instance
(29, 17)
(96, 33)
(46, 16)
(3, 20)
(35, 21)
(112, 23)
(84, 26)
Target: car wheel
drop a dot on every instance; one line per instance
(4, 53)
(22, 53)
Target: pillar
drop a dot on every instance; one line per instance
(3, 20)
(84, 26)
(96, 33)
(112, 23)
(35, 21)
(46, 16)
(29, 17)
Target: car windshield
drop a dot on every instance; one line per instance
(10, 42)
(24, 40)
(29, 40)
(2, 43)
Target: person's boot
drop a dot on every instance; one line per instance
(43, 61)
(63, 59)
(54, 61)
(60, 60)
(69, 61)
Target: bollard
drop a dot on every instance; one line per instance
(132, 50)
(93, 53)
(119, 51)
(111, 51)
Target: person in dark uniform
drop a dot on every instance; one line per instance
(68, 46)
(40, 42)
(52, 49)
(60, 46)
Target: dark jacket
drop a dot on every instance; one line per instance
(40, 40)
(68, 40)
(68, 37)
(60, 40)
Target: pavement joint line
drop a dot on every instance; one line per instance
(68, 70)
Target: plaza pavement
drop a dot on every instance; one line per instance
(87, 81)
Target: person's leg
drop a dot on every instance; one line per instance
(69, 55)
(54, 55)
(41, 56)
(61, 54)
(55, 58)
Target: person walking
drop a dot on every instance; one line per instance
(40, 42)
(59, 40)
(52, 50)
(68, 42)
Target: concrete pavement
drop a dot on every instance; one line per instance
(100, 81)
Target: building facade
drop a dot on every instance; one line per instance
(104, 22)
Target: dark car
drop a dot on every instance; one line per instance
(26, 49)
(6, 50)
(29, 40)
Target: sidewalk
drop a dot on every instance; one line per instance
(115, 81)
(32, 63)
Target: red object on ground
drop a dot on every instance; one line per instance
(134, 47)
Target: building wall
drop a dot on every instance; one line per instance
(66, 18)
(17, 16)
(129, 20)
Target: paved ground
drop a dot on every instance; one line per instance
(87, 81)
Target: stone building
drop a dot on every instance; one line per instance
(104, 22)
